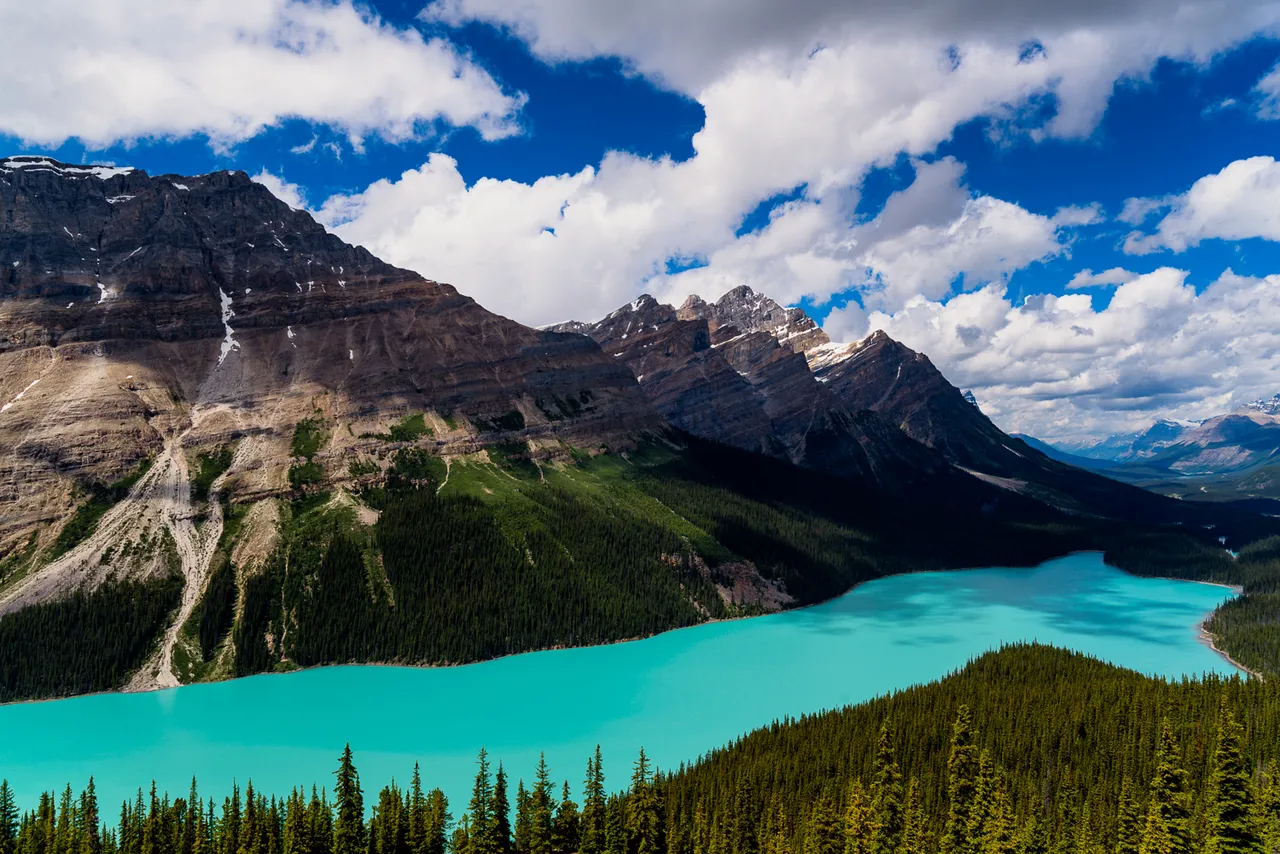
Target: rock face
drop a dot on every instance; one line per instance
(137, 311)
(735, 371)
(748, 372)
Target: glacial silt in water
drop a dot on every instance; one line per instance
(678, 694)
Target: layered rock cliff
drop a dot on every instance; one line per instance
(154, 317)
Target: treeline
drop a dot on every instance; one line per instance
(439, 580)
(85, 643)
(1248, 627)
(1026, 751)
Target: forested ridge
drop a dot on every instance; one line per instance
(1029, 750)
(474, 559)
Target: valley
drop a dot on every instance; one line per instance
(674, 694)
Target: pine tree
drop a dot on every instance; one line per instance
(1166, 828)
(1233, 828)
(481, 835)
(8, 819)
(886, 797)
(417, 836)
(540, 810)
(982, 809)
(524, 805)
(822, 831)
(643, 821)
(461, 841)
(500, 810)
(564, 825)
(962, 774)
(1268, 808)
(742, 835)
(438, 819)
(856, 822)
(593, 807)
(615, 827)
(914, 839)
(998, 836)
(91, 839)
(1128, 821)
(348, 826)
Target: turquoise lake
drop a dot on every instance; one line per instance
(677, 694)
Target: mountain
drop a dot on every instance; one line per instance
(231, 443)
(748, 372)
(1265, 406)
(1234, 456)
(1055, 453)
(1131, 447)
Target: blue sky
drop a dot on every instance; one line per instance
(943, 171)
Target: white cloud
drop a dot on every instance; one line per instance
(1241, 201)
(780, 114)
(121, 70)
(1089, 279)
(581, 245)
(1078, 215)
(1056, 367)
(691, 44)
(1267, 93)
(290, 194)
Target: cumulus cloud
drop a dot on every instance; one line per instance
(120, 70)
(580, 245)
(814, 99)
(1057, 367)
(291, 194)
(688, 45)
(1267, 94)
(1241, 201)
(1088, 279)
(1079, 215)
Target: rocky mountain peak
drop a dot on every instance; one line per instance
(746, 311)
(142, 315)
(1264, 406)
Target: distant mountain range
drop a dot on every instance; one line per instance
(1234, 455)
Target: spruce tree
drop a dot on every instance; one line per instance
(962, 774)
(1268, 807)
(1128, 820)
(915, 836)
(886, 797)
(481, 836)
(500, 810)
(982, 808)
(643, 821)
(9, 819)
(540, 810)
(524, 805)
(1166, 828)
(417, 838)
(1233, 828)
(438, 819)
(615, 827)
(998, 836)
(348, 826)
(745, 814)
(856, 822)
(823, 834)
(593, 804)
(565, 825)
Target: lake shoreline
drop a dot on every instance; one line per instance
(712, 621)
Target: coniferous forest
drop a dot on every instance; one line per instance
(1029, 750)
(515, 556)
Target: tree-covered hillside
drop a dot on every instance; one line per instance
(418, 559)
